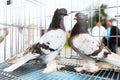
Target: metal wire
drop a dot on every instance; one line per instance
(31, 71)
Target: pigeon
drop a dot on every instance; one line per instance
(88, 47)
(47, 48)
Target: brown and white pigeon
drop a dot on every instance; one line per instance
(88, 47)
(48, 46)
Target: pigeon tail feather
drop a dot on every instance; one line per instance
(113, 59)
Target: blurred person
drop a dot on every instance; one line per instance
(110, 39)
(98, 32)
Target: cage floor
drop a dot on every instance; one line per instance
(31, 71)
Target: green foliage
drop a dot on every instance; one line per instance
(1, 38)
(99, 15)
(67, 45)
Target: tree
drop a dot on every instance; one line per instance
(99, 15)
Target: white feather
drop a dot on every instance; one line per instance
(21, 61)
(85, 43)
(51, 56)
(56, 38)
(113, 59)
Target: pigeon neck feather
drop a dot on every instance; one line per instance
(79, 28)
(62, 24)
(57, 23)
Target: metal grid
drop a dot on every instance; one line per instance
(31, 71)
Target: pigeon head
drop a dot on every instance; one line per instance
(81, 25)
(61, 11)
(58, 19)
(80, 16)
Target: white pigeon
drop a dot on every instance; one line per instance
(88, 47)
(48, 46)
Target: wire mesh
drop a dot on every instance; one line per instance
(31, 71)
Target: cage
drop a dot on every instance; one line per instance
(23, 22)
